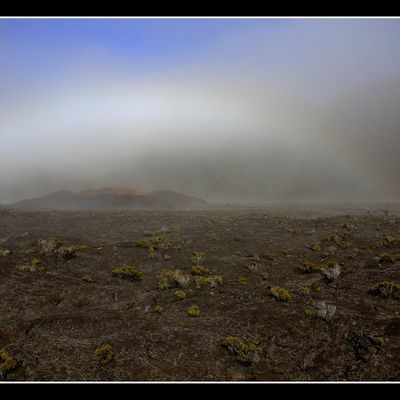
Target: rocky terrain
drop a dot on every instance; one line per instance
(208, 295)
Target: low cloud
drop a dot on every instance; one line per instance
(307, 111)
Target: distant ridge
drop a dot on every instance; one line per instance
(111, 197)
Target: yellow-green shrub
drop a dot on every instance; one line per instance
(281, 294)
(157, 309)
(200, 281)
(200, 270)
(168, 279)
(160, 242)
(104, 354)
(7, 363)
(193, 311)
(180, 294)
(309, 267)
(34, 266)
(197, 257)
(245, 352)
(128, 273)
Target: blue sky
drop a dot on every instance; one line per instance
(45, 51)
(36, 47)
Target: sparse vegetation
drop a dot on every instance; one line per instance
(158, 309)
(389, 258)
(245, 352)
(264, 275)
(69, 252)
(160, 243)
(287, 251)
(324, 310)
(4, 253)
(253, 264)
(141, 243)
(104, 354)
(378, 341)
(281, 294)
(180, 294)
(200, 270)
(168, 279)
(7, 363)
(216, 280)
(34, 266)
(242, 280)
(385, 289)
(197, 257)
(55, 247)
(308, 312)
(127, 273)
(307, 266)
(316, 247)
(269, 256)
(331, 273)
(193, 311)
(339, 241)
(304, 290)
(213, 281)
(50, 246)
(49, 320)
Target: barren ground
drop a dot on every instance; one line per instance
(52, 322)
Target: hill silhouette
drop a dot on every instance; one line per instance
(111, 197)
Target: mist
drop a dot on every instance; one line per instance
(253, 112)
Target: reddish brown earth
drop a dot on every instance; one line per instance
(111, 197)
